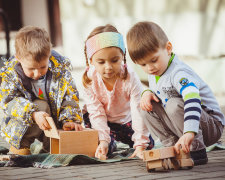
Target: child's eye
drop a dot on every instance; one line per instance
(115, 61)
(143, 65)
(100, 62)
(154, 60)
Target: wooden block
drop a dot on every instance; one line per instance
(150, 165)
(5, 157)
(186, 162)
(157, 154)
(53, 132)
(183, 155)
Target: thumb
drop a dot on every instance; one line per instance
(155, 98)
(133, 155)
(103, 151)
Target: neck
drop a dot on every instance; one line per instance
(109, 83)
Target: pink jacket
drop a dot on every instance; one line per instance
(121, 105)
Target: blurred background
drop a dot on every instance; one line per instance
(196, 29)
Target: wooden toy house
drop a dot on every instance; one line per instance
(72, 142)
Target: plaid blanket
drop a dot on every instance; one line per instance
(47, 160)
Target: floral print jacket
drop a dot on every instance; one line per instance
(16, 97)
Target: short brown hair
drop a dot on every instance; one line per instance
(145, 38)
(100, 29)
(32, 42)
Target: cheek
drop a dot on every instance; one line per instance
(44, 71)
(28, 73)
(145, 69)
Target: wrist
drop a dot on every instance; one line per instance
(191, 132)
(147, 90)
(140, 147)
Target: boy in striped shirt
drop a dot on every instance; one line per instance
(181, 109)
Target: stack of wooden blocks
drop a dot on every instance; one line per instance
(166, 158)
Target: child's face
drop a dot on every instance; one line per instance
(157, 63)
(33, 69)
(107, 62)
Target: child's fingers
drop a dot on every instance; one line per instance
(80, 128)
(133, 155)
(177, 148)
(103, 151)
(148, 106)
(46, 115)
(155, 98)
(46, 124)
(185, 148)
(67, 126)
(98, 151)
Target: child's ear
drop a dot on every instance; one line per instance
(169, 47)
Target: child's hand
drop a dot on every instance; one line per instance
(102, 149)
(184, 142)
(138, 152)
(39, 118)
(146, 99)
(68, 126)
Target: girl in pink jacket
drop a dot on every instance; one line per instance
(112, 94)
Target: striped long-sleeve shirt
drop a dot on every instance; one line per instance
(180, 80)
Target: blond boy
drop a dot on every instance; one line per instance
(36, 83)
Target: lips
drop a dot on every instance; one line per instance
(155, 72)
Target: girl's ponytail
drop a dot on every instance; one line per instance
(124, 77)
(85, 79)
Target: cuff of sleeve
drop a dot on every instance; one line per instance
(104, 137)
(145, 91)
(191, 126)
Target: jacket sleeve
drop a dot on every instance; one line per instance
(141, 133)
(97, 115)
(188, 87)
(14, 104)
(70, 109)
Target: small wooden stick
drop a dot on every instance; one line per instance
(5, 157)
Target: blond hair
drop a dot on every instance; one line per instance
(32, 42)
(145, 38)
(100, 29)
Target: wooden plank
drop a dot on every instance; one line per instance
(183, 155)
(154, 164)
(54, 146)
(156, 154)
(78, 142)
(186, 162)
(53, 132)
(5, 157)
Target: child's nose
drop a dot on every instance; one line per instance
(108, 66)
